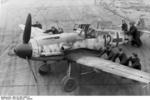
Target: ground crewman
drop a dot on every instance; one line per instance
(124, 26)
(135, 35)
(123, 57)
(110, 52)
(37, 24)
(135, 61)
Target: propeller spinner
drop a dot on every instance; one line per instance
(25, 50)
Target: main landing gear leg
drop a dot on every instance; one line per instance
(45, 69)
(69, 83)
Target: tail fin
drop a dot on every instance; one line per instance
(140, 23)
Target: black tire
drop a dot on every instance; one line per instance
(45, 69)
(69, 84)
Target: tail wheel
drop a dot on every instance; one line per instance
(69, 84)
(45, 69)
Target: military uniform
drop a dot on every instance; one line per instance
(123, 59)
(135, 63)
(124, 27)
(135, 36)
(37, 25)
(133, 31)
(111, 54)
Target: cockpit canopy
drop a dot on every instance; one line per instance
(84, 27)
(89, 32)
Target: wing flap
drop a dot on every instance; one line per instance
(110, 67)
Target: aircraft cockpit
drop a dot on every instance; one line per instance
(89, 32)
(83, 27)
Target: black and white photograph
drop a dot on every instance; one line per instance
(74, 48)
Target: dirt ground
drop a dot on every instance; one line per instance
(15, 75)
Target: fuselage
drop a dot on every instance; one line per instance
(55, 45)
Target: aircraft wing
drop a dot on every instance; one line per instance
(110, 67)
(36, 32)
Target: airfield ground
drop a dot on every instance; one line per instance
(15, 75)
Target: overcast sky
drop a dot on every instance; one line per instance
(54, 2)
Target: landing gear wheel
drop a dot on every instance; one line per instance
(45, 69)
(69, 84)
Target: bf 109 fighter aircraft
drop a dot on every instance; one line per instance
(81, 46)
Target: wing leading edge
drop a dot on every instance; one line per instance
(110, 67)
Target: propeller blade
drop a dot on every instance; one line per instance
(27, 30)
(35, 78)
